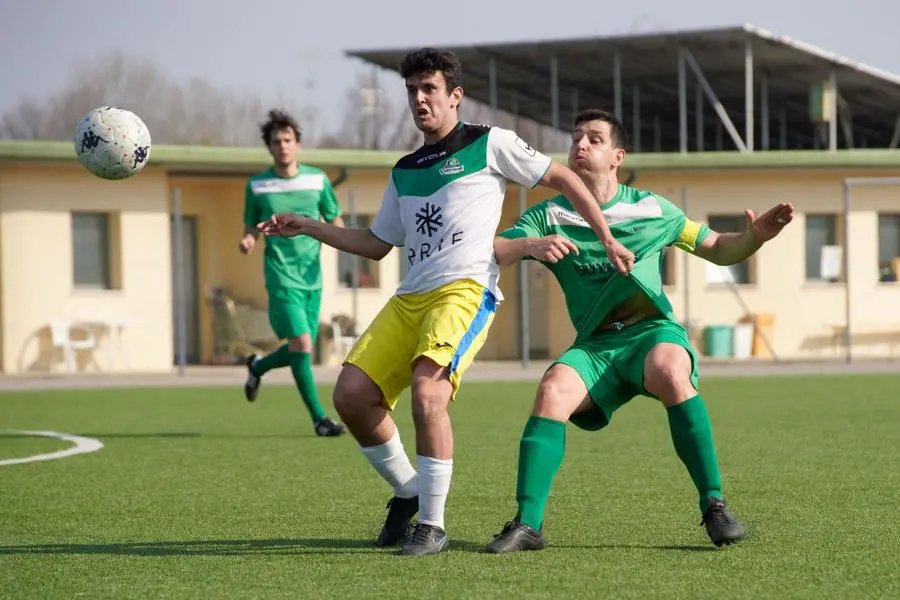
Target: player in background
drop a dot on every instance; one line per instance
(442, 204)
(292, 269)
(627, 339)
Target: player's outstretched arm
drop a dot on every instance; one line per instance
(251, 216)
(248, 240)
(732, 248)
(353, 240)
(562, 179)
(549, 249)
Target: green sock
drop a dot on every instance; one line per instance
(541, 452)
(692, 436)
(300, 367)
(274, 360)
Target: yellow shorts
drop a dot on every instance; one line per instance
(448, 325)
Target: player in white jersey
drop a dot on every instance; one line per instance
(442, 204)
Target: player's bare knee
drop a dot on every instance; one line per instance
(354, 391)
(546, 403)
(667, 374)
(431, 390)
(301, 343)
(429, 400)
(558, 396)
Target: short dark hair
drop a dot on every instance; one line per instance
(278, 120)
(619, 138)
(433, 60)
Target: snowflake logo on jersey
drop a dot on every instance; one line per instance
(429, 219)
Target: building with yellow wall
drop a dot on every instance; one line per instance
(76, 250)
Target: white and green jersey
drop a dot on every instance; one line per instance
(291, 262)
(642, 221)
(443, 204)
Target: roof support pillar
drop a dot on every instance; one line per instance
(657, 134)
(782, 129)
(698, 102)
(832, 111)
(575, 104)
(682, 101)
(636, 118)
(764, 110)
(554, 92)
(749, 133)
(617, 83)
(492, 84)
(514, 101)
(895, 139)
(714, 100)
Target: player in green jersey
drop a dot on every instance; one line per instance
(627, 341)
(442, 204)
(292, 269)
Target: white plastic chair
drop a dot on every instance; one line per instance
(61, 338)
(342, 343)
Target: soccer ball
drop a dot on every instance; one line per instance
(113, 143)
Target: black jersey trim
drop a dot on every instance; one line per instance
(428, 155)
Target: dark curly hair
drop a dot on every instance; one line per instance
(433, 60)
(278, 120)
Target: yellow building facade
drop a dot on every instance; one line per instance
(91, 261)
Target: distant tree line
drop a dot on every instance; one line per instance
(199, 113)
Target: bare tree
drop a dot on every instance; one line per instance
(375, 118)
(23, 122)
(195, 113)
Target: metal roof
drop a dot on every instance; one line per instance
(585, 74)
(244, 161)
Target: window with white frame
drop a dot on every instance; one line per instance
(91, 257)
(823, 251)
(367, 271)
(889, 247)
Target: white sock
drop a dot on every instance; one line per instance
(391, 462)
(434, 485)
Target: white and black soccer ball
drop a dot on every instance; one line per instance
(113, 143)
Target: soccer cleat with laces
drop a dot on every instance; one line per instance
(516, 537)
(396, 524)
(328, 428)
(425, 539)
(721, 526)
(251, 385)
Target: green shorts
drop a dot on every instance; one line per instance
(611, 364)
(293, 312)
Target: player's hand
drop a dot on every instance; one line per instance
(620, 256)
(283, 225)
(247, 244)
(770, 223)
(551, 248)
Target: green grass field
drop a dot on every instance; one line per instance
(198, 494)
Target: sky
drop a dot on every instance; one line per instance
(295, 49)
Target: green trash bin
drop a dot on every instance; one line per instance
(718, 341)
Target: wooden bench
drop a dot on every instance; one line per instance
(866, 334)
